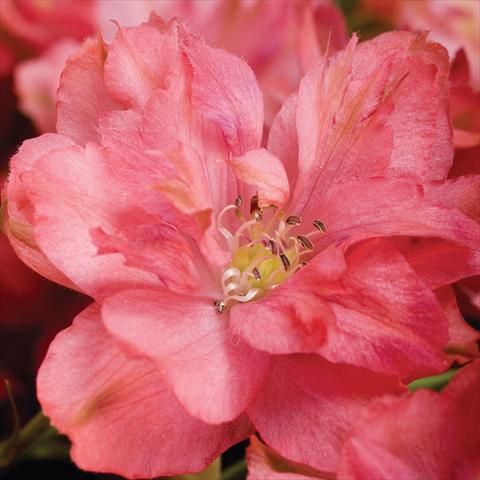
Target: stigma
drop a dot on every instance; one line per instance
(266, 249)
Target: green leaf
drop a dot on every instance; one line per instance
(435, 382)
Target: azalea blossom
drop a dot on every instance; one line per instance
(240, 285)
(422, 435)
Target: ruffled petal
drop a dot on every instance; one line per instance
(225, 90)
(386, 319)
(293, 317)
(140, 60)
(72, 194)
(377, 109)
(82, 96)
(18, 223)
(117, 411)
(213, 373)
(386, 207)
(352, 310)
(265, 174)
(308, 405)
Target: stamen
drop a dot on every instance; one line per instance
(305, 242)
(263, 254)
(239, 201)
(293, 220)
(272, 246)
(255, 210)
(285, 261)
(220, 306)
(254, 204)
(319, 225)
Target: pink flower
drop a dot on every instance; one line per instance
(423, 435)
(157, 198)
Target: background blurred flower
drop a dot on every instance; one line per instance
(31, 26)
(453, 23)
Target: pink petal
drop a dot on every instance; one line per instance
(384, 207)
(427, 435)
(293, 317)
(265, 173)
(439, 262)
(282, 139)
(81, 95)
(387, 322)
(379, 109)
(212, 372)
(140, 60)
(225, 91)
(191, 148)
(461, 193)
(168, 164)
(158, 247)
(308, 405)
(18, 224)
(73, 194)
(352, 311)
(117, 411)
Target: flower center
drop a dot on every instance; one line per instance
(264, 251)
